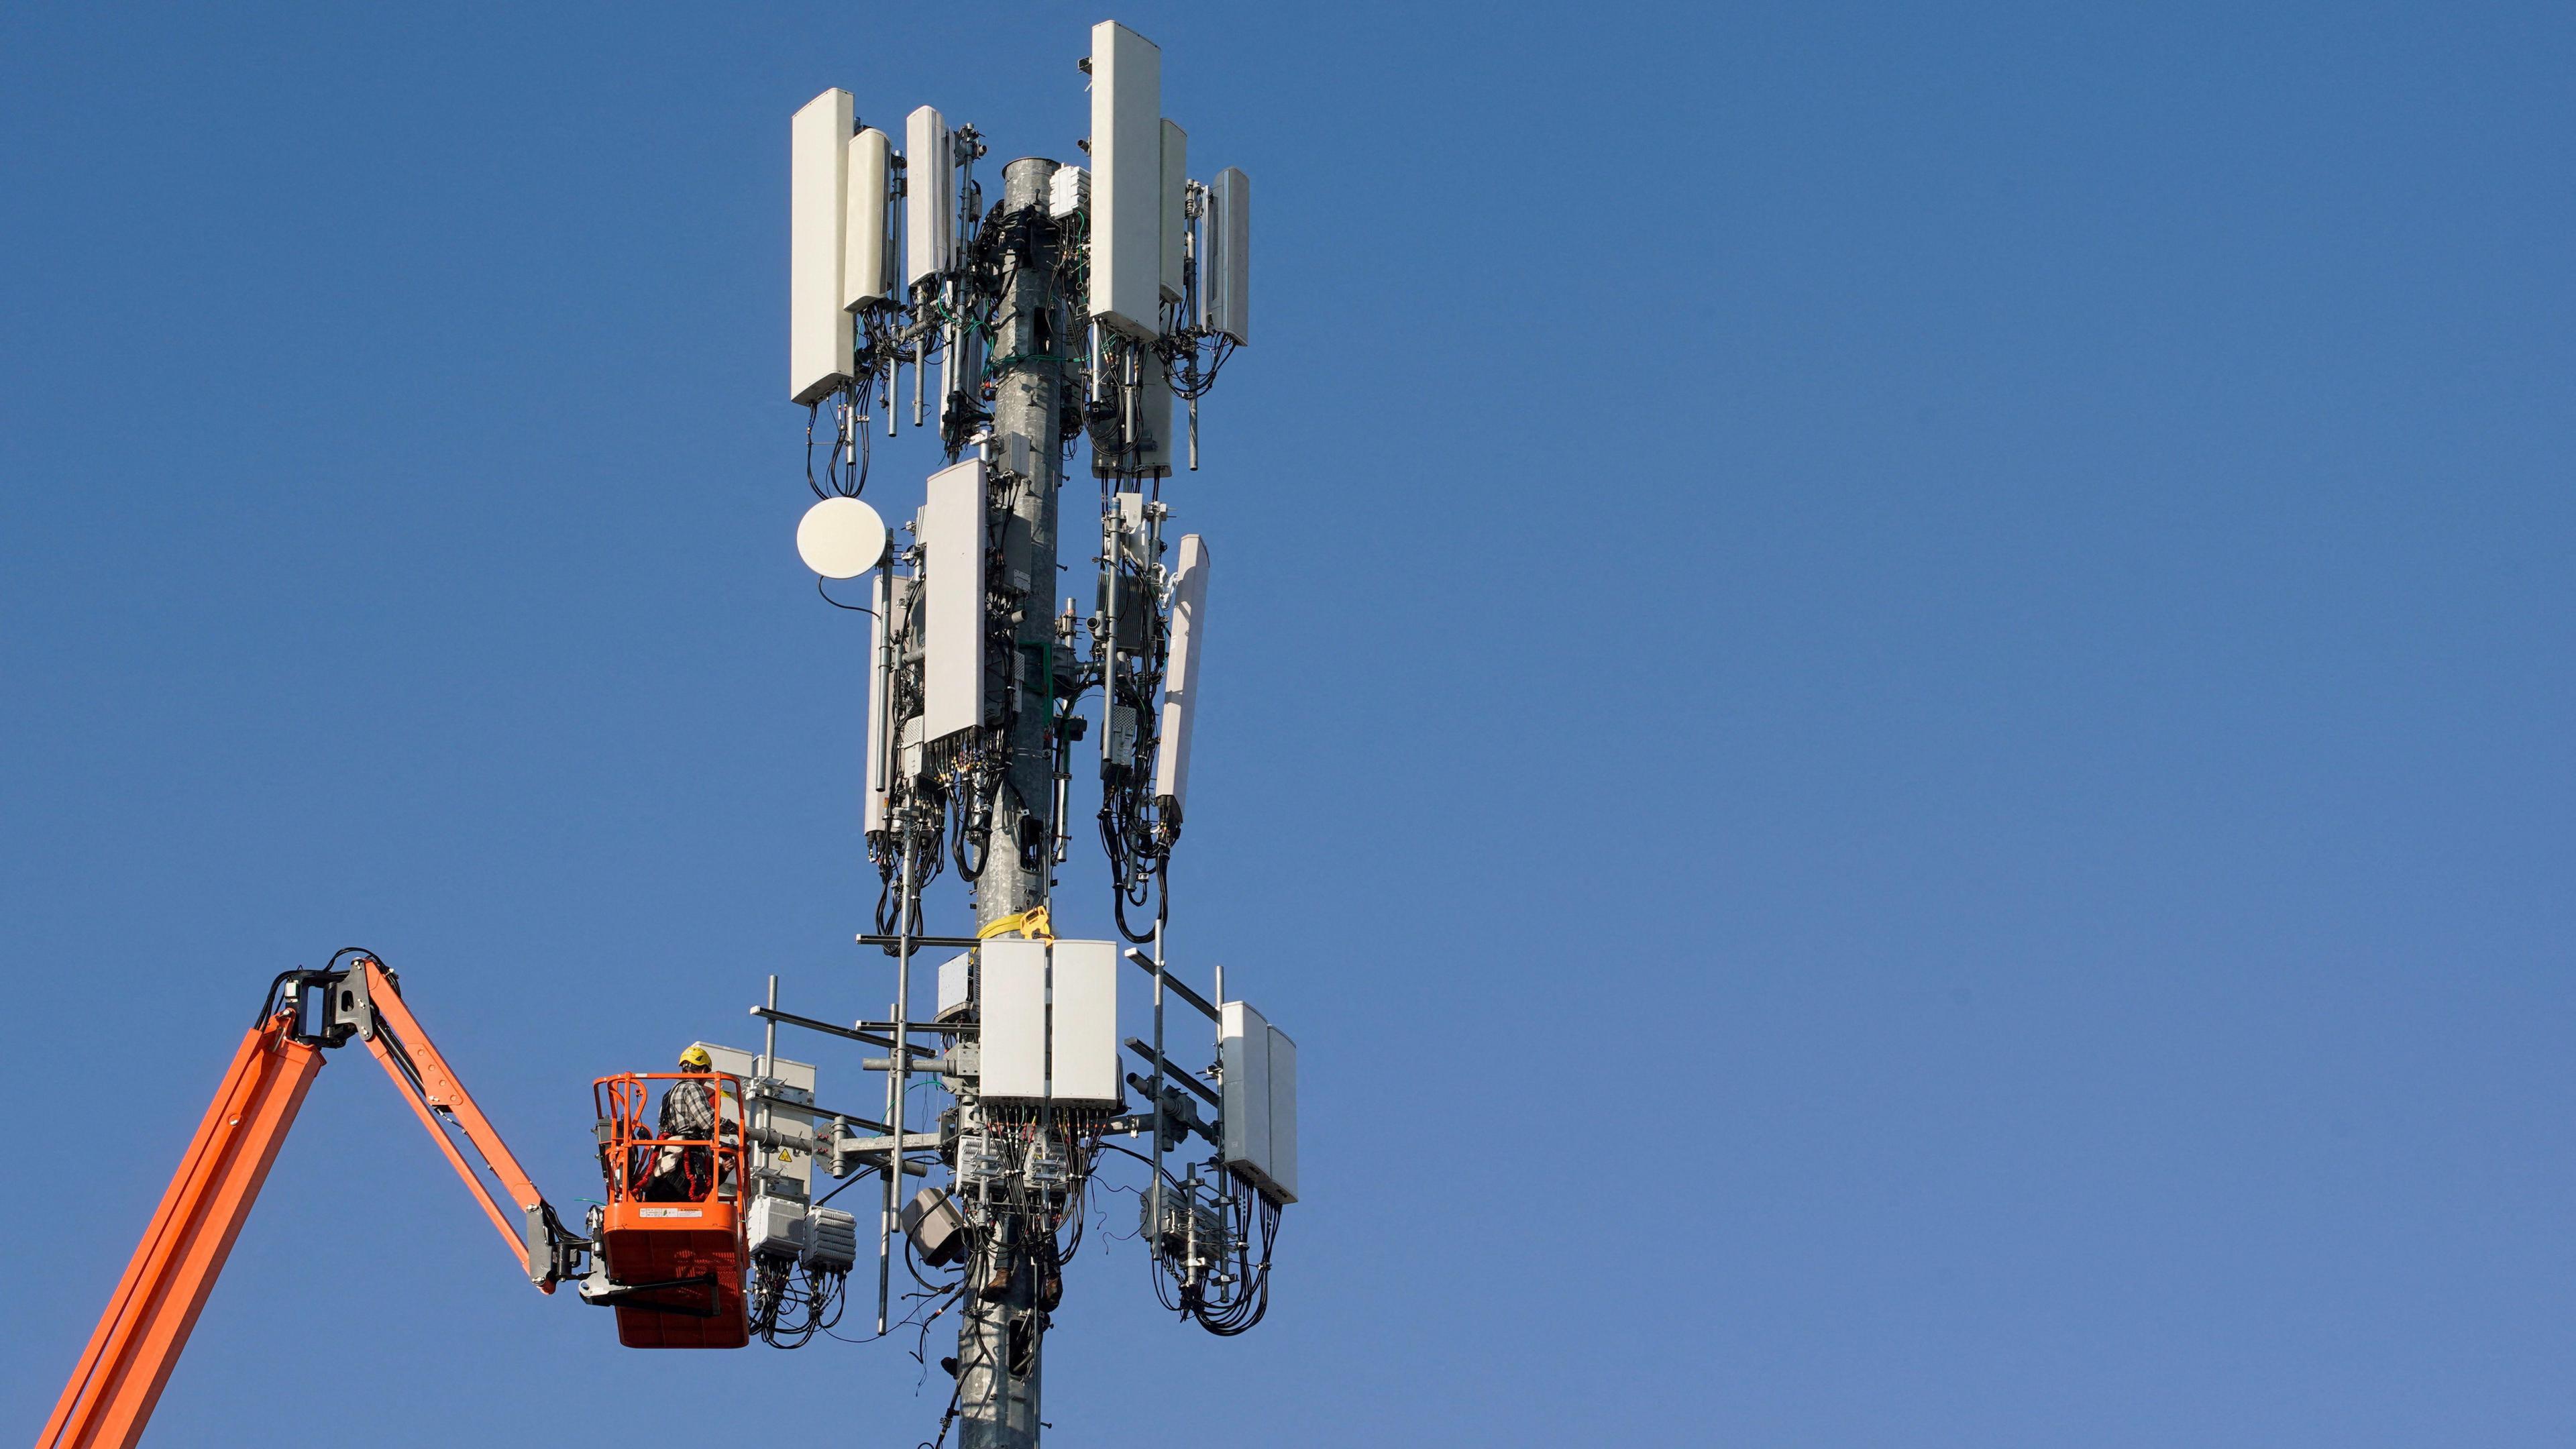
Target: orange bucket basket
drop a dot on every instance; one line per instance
(672, 1236)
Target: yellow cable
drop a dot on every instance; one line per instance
(1031, 924)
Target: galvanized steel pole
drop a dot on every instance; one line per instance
(1000, 1338)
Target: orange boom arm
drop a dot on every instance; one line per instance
(139, 1338)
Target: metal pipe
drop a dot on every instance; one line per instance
(1154, 1214)
(827, 1028)
(1147, 964)
(933, 1066)
(1166, 1066)
(1113, 549)
(897, 1080)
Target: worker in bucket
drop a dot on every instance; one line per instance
(691, 1110)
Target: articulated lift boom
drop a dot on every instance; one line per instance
(138, 1340)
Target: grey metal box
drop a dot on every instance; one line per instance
(1175, 218)
(776, 1227)
(979, 1160)
(935, 1226)
(833, 1240)
(1225, 270)
(1153, 454)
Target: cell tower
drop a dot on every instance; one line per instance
(1073, 312)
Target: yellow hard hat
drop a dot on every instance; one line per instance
(696, 1059)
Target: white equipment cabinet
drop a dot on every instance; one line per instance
(1049, 1022)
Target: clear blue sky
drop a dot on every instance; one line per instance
(1891, 700)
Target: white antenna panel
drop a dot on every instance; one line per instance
(1243, 1050)
(1011, 986)
(1259, 1103)
(930, 196)
(1049, 1020)
(1175, 213)
(1126, 180)
(887, 598)
(1225, 271)
(952, 601)
(1083, 981)
(868, 236)
(1181, 677)
(818, 332)
(1283, 1116)
(956, 985)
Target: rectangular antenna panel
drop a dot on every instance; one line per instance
(956, 985)
(1181, 675)
(1283, 1116)
(818, 166)
(930, 195)
(1225, 268)
(1014, 1036)
(872, 799)
(1176, 219)
(1126, 180)
(952, 601)
(1084, 983)
(868, 236)
(1243, 1052)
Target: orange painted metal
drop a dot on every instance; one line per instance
(439, 1092)
(148, 1319)
(669, 1238)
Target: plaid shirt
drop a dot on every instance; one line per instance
(689, 1111)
